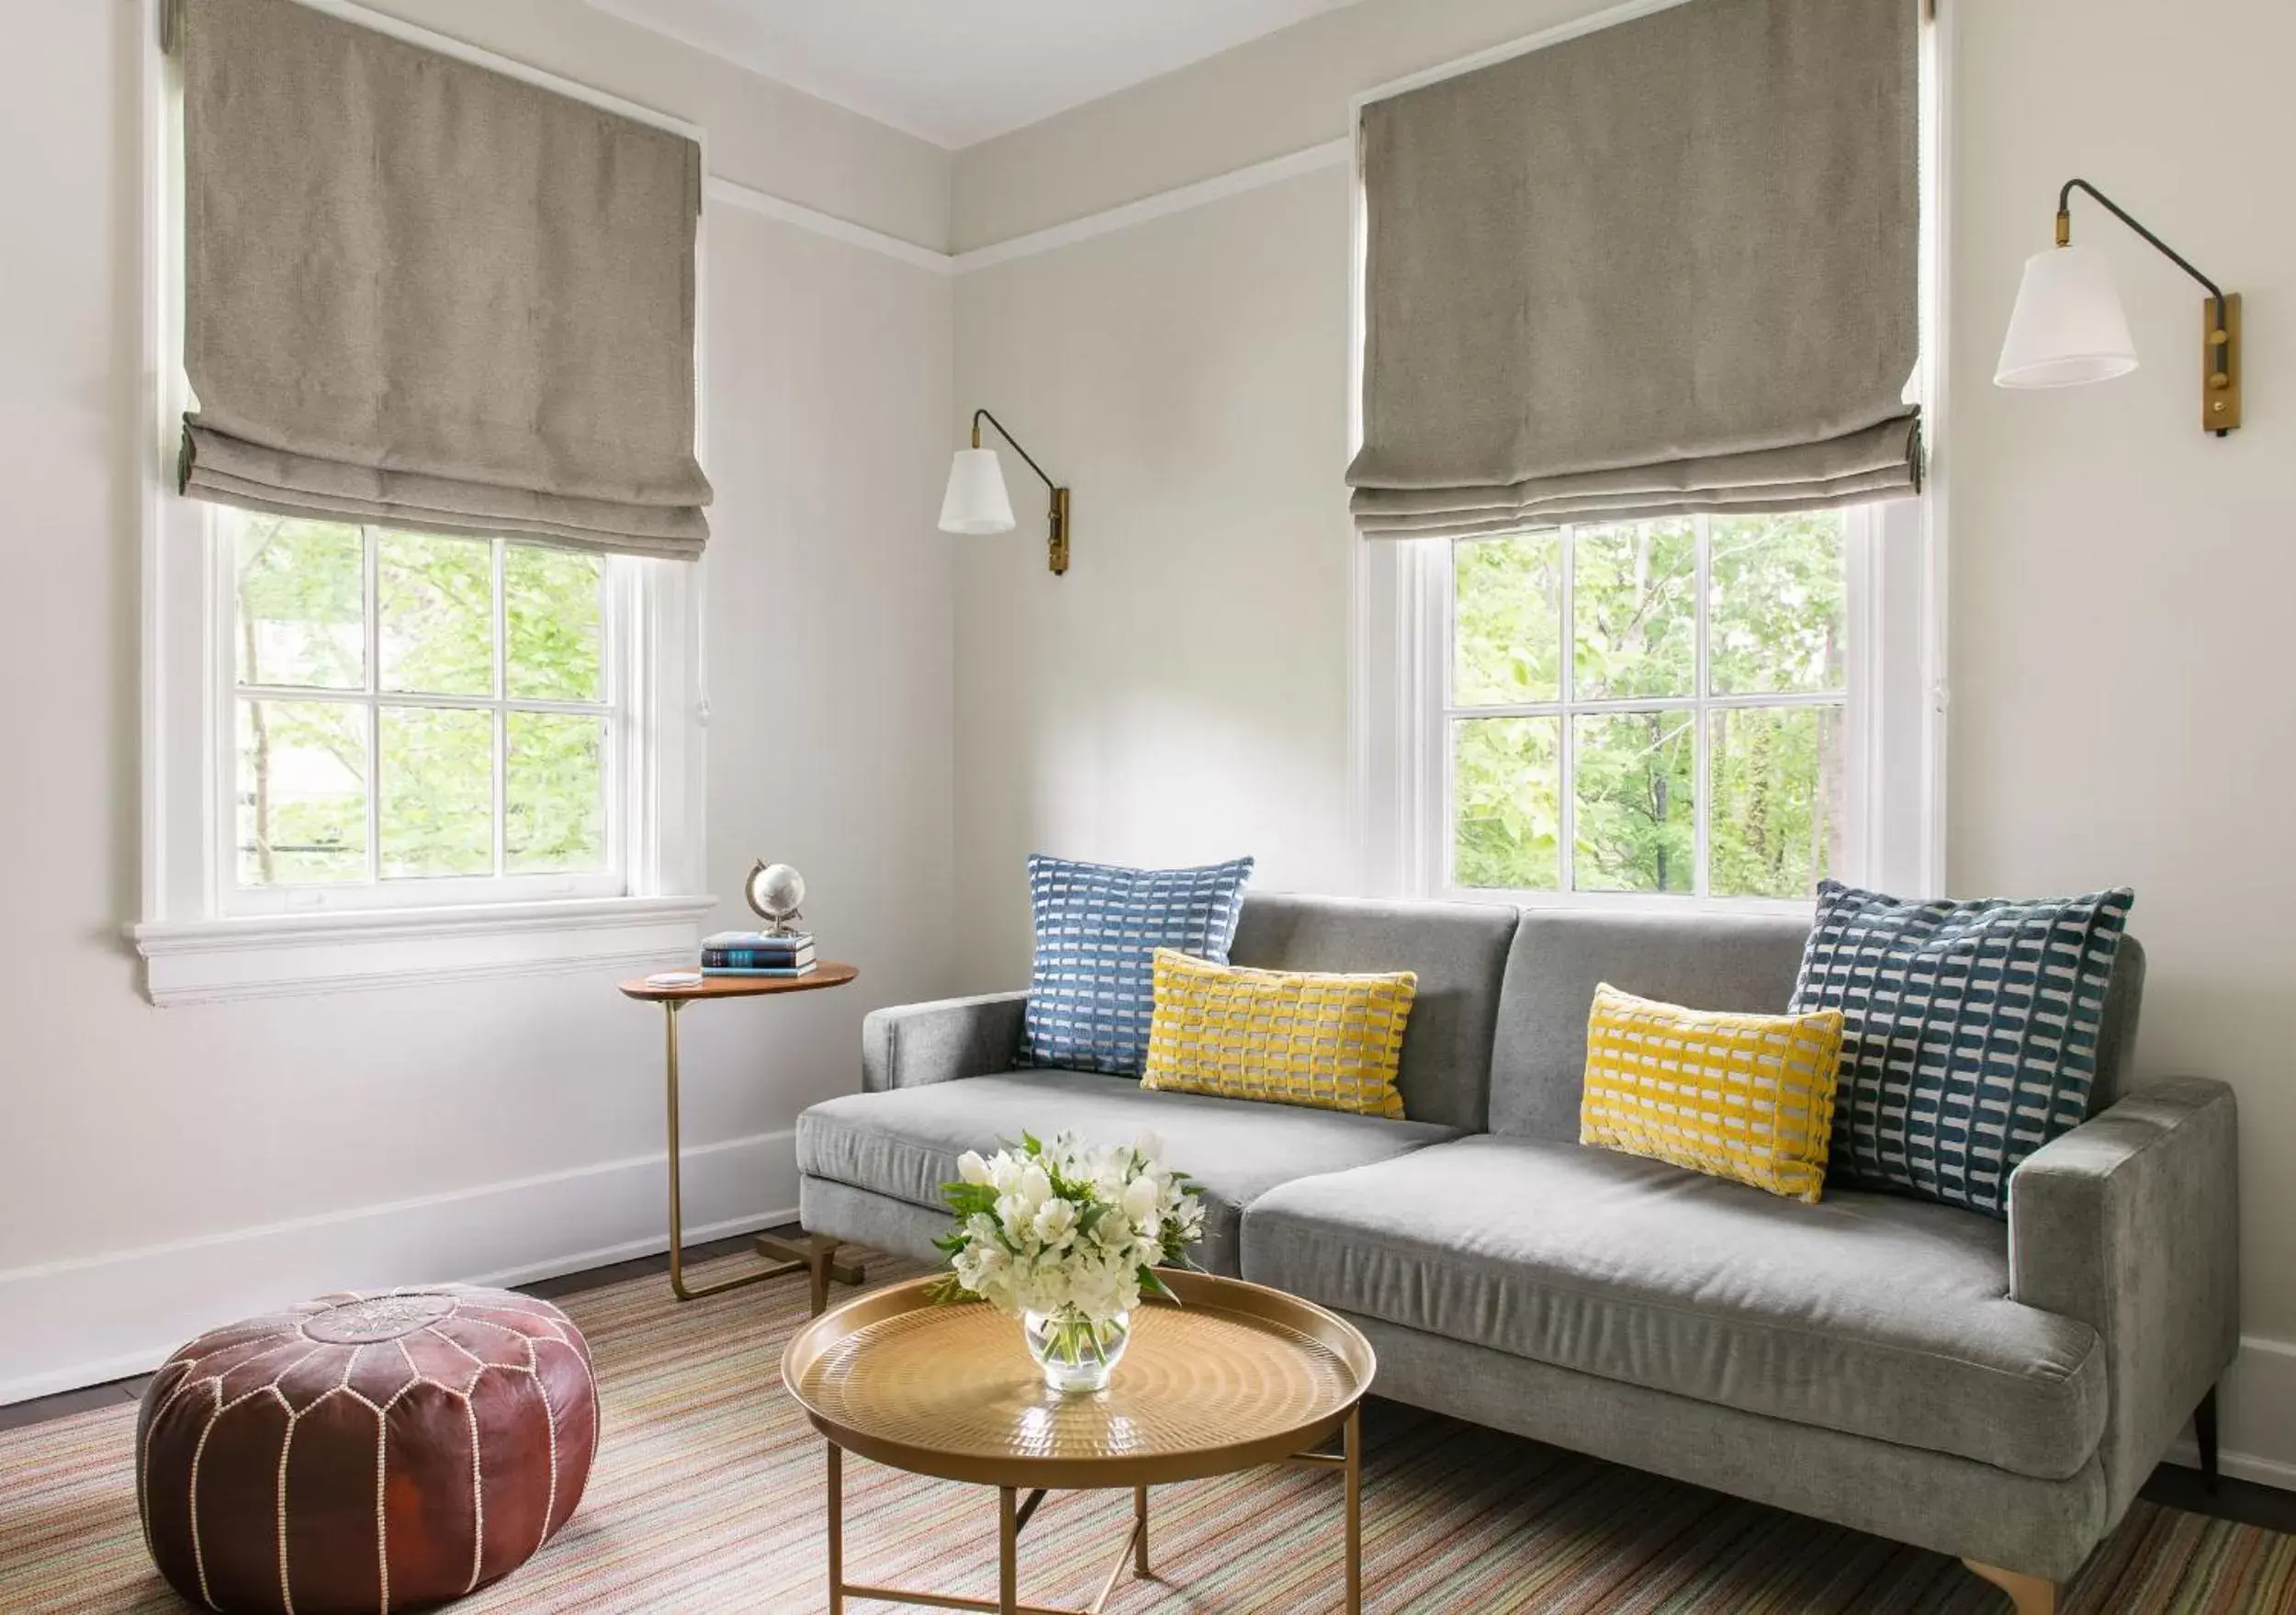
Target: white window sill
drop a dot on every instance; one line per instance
(273, 955)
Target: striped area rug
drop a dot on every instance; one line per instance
(707, 1497)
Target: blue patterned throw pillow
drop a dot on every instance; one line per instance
(1097, 928)
(1970, 1034)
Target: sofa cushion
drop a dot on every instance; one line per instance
(1971, 1032)
(905, 1142)
(1458, 951)
(1096, 926)
(1873, 1315)
(1741, 963)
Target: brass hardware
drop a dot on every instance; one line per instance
(1057, 547)
(1057, 551)
(2065, 239)
(2220, 366)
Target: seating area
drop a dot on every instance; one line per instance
(1506, 1273)
(1146, 807)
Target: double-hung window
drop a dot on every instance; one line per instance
(1699, 708)
(419, 719)
(373, 756)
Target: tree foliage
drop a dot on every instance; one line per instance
(304, 774)
(1775, 603)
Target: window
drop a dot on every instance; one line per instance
(370, 756)
(419, 718)
(1705, 708)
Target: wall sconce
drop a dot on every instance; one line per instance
(976, 503)
(2067, 327)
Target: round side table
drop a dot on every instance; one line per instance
(786, 1259)
(1236, 1376)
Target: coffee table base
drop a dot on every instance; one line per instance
(1014, 1510)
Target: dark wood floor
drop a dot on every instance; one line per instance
(2171, 1484)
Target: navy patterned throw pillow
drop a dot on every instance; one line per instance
(1970, 1034)
(1097, 929)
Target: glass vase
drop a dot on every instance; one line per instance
(1077, 1354)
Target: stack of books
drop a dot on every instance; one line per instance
(753, 953)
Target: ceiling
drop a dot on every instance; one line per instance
(957, 72)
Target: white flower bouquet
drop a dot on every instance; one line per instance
(1067, 1237)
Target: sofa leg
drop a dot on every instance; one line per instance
(2029, 1595)
(2205, 1436)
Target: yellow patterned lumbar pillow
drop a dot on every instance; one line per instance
(1745, 1097)
(1289, 1037)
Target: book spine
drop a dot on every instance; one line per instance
(739, 970)
(754, 959)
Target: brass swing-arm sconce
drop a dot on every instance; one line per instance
(976, 500)
(2068, 328)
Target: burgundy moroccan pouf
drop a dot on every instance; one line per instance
(359, 1454)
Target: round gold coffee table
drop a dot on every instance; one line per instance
(1235, 1376)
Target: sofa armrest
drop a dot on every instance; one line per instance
(2131, 1222)
(908, 1045)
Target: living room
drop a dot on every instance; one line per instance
(330, 878)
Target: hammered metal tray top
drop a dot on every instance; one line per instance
(1236, 1375)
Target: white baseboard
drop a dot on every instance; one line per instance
(2255, 1416)
(89, 1319)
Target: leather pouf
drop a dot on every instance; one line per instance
(365, 1453)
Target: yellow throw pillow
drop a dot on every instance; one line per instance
(1749, 1098)
(1289, 1037)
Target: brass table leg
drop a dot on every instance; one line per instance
(1007, 1554)
(1355, 1510)
(837, 1531)
(786, 1259)
(1140, 1533)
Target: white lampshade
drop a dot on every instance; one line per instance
(975, 502)
(2067, 327)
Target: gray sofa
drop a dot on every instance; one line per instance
(1993, 1391)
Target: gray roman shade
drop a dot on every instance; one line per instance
(1669, 266)
(419, 292)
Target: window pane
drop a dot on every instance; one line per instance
(438, 782)
(1635, 598)
(302, 791)
(1634, 802)
(554, 780)
(1507, 801)
(1778, 801)
(1506, 614)
(434, 605)
(552, 614)
(1778, 586)
(302, 602)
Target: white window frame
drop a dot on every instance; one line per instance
(1895, 730)
(1880, 703)
(204, 939)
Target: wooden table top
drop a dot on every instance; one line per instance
(827, 973)
(1236, 1375)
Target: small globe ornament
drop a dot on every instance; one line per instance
(778, 893)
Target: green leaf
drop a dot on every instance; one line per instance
(1152, 1284)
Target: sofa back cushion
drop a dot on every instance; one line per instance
(1700, 961)
(1458, 951)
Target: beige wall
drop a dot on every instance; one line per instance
(162, 1170)
(1180, 695)
(2120, 583)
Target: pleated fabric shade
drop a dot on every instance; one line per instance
(1666, 267)
(421, 293)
